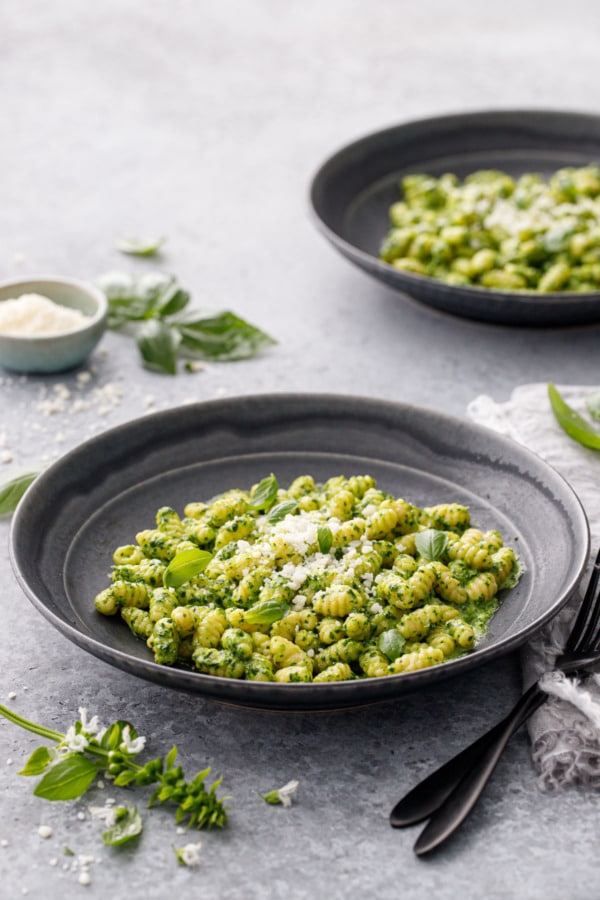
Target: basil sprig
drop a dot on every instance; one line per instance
(155, 308)
(184, 566)
(431, 543)
(571, 422)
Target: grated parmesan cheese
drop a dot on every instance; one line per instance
(33, 314)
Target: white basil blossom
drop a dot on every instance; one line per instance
(282, 795)
(89, 728)
(73, 741)
(131, 745)
(189, 855)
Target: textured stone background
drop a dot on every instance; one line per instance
(204, 122)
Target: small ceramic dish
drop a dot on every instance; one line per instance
(39, 353)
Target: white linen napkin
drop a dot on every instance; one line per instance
(565, 731)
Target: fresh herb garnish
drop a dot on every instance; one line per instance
(154, 307)
(283, 795)
(126, 826)
(571, 422)
(140, 246)
(391, 643)
(265, 612)
(184, 566)
(13, 489)
(265, 493)
(431, 543)
(85, 751)
(280, 511)
(325, 538)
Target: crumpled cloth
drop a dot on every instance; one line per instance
(565, 731)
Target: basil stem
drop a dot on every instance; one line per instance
(571, 422)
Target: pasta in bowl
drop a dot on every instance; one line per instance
(317, 582)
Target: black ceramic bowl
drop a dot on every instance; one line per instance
(353, 190)
(101, 494)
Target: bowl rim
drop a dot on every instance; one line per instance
(372, 262)
(84, 286)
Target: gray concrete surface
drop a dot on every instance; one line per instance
(204, 122)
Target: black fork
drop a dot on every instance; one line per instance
(449, 794)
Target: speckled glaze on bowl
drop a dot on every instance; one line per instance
(353, 190)
(54, 352)
(101, 493)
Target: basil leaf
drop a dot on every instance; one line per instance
(128, 825)
(220, 336)
(280, 511)
(266, 612)
(173, 300)
(68, 779)
(431, 543)
(184, 566)
(325, 538)
(158, 345)
(13, 489)
(571, 422)
(391, 643)
(38, 762)
(265, 493)
(140, 246)
(593, 405)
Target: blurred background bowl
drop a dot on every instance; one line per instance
(54, 352)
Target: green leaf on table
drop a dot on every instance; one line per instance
(172, 300)
(13, 489)
(280, 511)
(265, 612)
(158, 344)
(219, 336)
(38, 762)
(184, 566)
(140, 246)
(593, 405)
(265, 493)
(391, 643)
(325, 538)
(128, 825)
(68, 779)
(431, 543)
(571, 422)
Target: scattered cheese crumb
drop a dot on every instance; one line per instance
(85, 878)
(3, 843)
(6, 456)
(45, 831)
(11, 695)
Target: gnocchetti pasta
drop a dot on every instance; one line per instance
(311, 583)
(495, 231)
